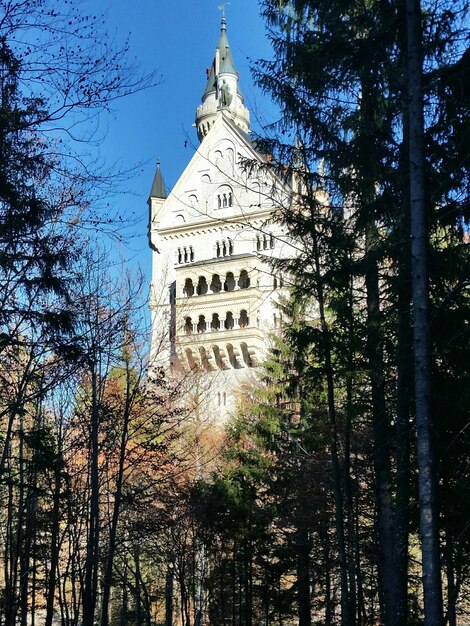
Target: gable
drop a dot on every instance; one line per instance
(216, 186)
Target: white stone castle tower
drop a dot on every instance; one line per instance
(213, 289)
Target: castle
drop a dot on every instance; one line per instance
(213, 289)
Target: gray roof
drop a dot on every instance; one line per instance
(158, 186)
(210, 86)
(227, 65)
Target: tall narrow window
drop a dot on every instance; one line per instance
(191, 253)
(271, 241)
(179, 255)
(230, 246)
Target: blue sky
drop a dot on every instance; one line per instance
(177, 40)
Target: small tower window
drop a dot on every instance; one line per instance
(230, 199)
(216, 285)
(244, 280)
(229, 321)
(230, 246)
(217, 249)
(215, 324)
(201, 327)
(271, 241)
(188, 288)
(219, 201)
(244, 319)
(202, 286)
(229, 284)
(191, 253)
(265, 242)
(258, 242)
(224, 201)
(185, 255)
(180, 257)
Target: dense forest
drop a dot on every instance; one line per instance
(339, 492)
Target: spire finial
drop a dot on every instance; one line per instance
(221, 7)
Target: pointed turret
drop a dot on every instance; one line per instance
(158, 195)
(158, 186)
(222, 93)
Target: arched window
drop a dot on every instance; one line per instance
(271, 241)
(229, 284)
(190, 358)
(217, 249)
(180, 257)
(185, 254)
(225, 201)
(191, 253)
(215, 324)
(265, 242)
(229, 323)
(244, 319)
(219, 201)
(202, 286)
(201, 326)
(188, 288)
(244, 280)
(188, 326)
(224, 248)
(246, 354)
(216, 285)
(258, 242)
(230, 198)
(230, 246)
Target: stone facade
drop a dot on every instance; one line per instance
(213, 289)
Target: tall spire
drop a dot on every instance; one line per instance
(222, 92)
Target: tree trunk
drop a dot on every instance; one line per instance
(303, 576)
(346, 612)
(108, 576)
(51, 585)
(169, 584)
(427, 478)
(91, 565)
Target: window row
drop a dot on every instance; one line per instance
(229, 323)
(185, 255)
(216, 285)
(224, 247)
(224, 200)
(220, 357)
(264, 241)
